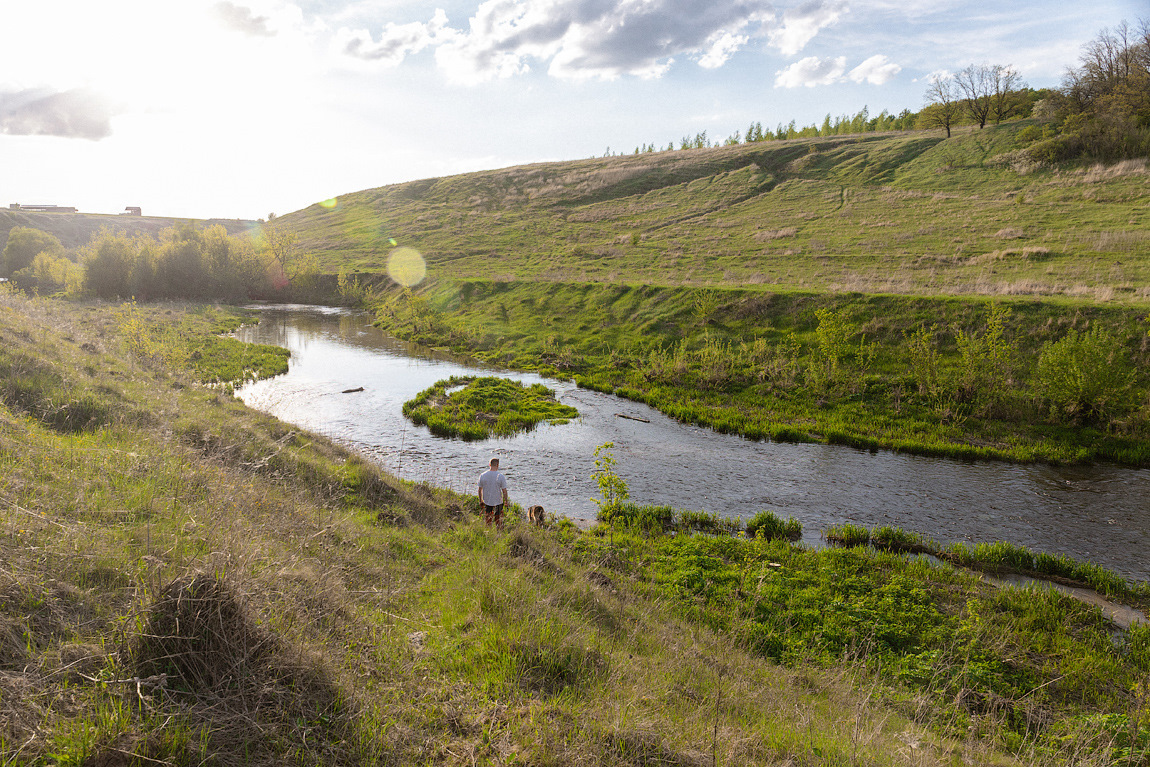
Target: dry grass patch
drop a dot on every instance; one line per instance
(775, 234)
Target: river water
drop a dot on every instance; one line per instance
(1095, 513)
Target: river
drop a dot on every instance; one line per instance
(1095, 513)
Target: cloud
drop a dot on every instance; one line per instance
(802, 23)
(76, 113)
(241, 19)
(810, 72)
(876, 70)
(578, 39)
(396, 41)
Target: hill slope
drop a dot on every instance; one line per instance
(909, 213)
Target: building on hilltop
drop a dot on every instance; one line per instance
(132, 211)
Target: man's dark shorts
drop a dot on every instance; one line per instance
(493, 514)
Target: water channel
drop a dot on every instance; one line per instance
(1095, 513)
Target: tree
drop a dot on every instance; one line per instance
(976, 83)
(1006, 82)
(943, 106)
(1113, 76)
(109, 265)
(24, 244)
(288, 264)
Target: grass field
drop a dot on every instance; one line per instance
(185, 581)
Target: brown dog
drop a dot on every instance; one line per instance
(535, 514)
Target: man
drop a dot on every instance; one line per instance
(493, 494)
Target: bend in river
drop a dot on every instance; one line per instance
(1095, 513)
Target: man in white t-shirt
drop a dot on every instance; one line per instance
(493, 494)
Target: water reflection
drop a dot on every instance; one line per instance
(1094, 513)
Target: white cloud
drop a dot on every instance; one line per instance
(577, 39)
(876, 70)
(76, 113)
(241, 19)
(802, 23)
(396, 41)
(810, 72)
(722, 48)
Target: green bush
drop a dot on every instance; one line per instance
(1086, 377)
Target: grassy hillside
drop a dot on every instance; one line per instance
(906, 213)
(185, 581)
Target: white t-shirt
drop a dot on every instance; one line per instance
(491, 487)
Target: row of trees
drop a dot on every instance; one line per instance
(860, 122)
(980, 92)
(183, 261)
(1109, 92)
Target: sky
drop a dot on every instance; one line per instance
(241, 108)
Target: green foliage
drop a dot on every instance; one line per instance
(706, 522)
(924, 362)
(746, 373)
(183, 261)
(24, 245)
(193, 343)
(768, 526)
(612, 488)
(986, 361)
(631, 515)
(847, 534)
(899, 540)
(475, 408)
(27, 384)
(1086, 377)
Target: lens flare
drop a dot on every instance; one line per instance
(392, 242)
(329, 204)
(406, 266)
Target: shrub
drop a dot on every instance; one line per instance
(1085, 377)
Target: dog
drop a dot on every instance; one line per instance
(535, 514)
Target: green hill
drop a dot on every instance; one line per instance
(906, 213)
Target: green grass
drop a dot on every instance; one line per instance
(755, 363)
(330, 614)
(477, 408)
(1007, 655)
(995, 557)
(897, 213)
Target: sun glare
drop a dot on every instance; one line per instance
(406, 266)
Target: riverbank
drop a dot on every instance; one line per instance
(331, 614)
(957, 377)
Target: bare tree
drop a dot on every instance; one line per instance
(1006, 81)
(943, 103)
(976, 82)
